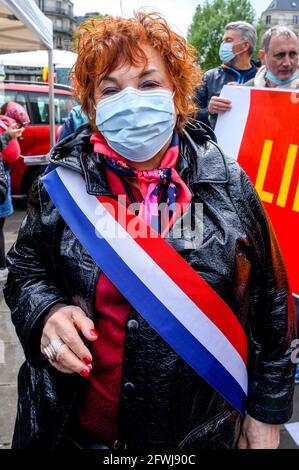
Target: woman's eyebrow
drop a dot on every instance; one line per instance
(148, 72)
(109, 79)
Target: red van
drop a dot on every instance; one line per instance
(35, 142)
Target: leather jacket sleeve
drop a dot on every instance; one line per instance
(271, 322)
(30, 291)
(202, 100)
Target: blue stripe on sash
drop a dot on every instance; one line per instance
(142, 299)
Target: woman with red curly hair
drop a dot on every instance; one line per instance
(146, 284)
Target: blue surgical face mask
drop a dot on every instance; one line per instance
(270, 76)
(226, 52)
(137, 124)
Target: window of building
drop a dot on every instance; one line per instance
(281, 21)
(59, 7)
(295, 19)
(50, 5)
(58, 23)
(58, 41)
(66, 25)
(268, 19)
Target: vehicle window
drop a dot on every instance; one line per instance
(17, 96)
(6, 96)
(21, 99)
(39, 103)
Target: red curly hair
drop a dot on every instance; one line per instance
(104, 44)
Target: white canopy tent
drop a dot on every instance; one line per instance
(61, 59)
(23, 27)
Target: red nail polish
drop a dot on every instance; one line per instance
(84, 373)
(93, 333)
(87, 360)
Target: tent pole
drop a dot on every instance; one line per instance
(51, 99)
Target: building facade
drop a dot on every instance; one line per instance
(87, 16)
(61, 12)
(282, 12)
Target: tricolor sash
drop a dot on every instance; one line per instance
(175, 300)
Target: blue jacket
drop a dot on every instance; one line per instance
(75, 120)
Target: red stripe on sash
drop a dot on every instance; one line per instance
(184, 276)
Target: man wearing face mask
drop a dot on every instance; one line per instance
(280, 58)
(280, 70)
(238, 45)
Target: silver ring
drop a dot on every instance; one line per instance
(52, 349)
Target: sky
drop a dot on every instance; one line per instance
(179, 13)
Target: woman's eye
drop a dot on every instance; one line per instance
(109, 91)
(150, 84)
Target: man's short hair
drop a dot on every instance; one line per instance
(247, 33)
(277, 31)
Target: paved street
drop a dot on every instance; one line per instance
(13, 357)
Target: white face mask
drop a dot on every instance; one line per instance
(137, 124)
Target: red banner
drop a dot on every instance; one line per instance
(268, 151)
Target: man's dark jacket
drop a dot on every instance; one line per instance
(164, 403)
(213, 82)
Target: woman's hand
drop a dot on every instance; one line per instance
(257, 435)
(14, 131)
(66, 322)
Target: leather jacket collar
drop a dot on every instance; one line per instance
(201, 161)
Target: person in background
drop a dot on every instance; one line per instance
(279, 56)
(12, 120)
(12, 132)
(238, 45)
(76, 119)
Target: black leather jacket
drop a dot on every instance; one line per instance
(169, 405)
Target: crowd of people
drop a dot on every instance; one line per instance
(279, 66)
(159, 341)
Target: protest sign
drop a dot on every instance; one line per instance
(262, 133)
